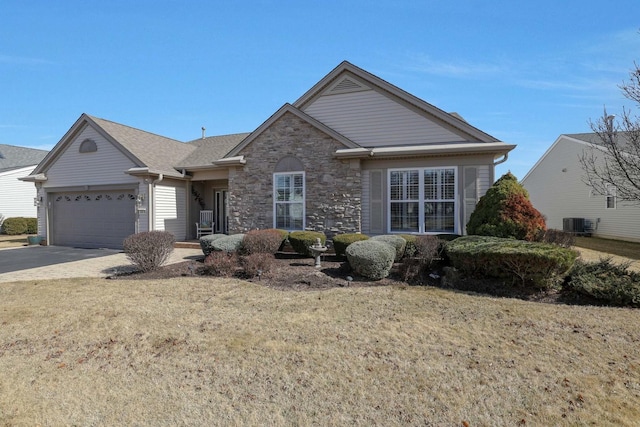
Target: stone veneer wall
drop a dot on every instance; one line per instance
(333, 187)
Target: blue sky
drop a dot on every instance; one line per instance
(522, 71)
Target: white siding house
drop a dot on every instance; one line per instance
(17, 197)
(556, 188)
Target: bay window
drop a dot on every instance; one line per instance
(422, 200)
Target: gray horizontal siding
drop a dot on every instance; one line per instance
(374, 120)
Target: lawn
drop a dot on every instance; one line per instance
(205, 351)
(7, 241)
(615, 247)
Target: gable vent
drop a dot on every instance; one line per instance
(347, 85)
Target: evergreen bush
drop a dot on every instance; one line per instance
(506, 211)
(529, 263)
(372, 259)
(301, 240)
(228, 244)
(20, 225)
(397, 242)
(605, 281)
(341, 241)
(206, 242)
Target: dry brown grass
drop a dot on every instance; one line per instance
(615, 247)
(12, 241)
(223, 352)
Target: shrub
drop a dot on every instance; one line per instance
(206, 242)
(370, 258)
(341, 241)
(397, 242)
(426, 249)
(228, 244)
(410, 249)
(257, 263)
(223, 264)
(530, 263)
(557, 237)
(605, 281)
(20, 225)
(301, 240)
(150, 249)
(262, 241)
(506, 211)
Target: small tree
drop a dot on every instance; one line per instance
(612, 163)
(506, 211)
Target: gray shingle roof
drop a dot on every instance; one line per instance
(158, 153)
(210, 149)
(13, 157)
(592, 138)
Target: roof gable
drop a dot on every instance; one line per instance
(288, 108)
(146, 150)
(347, 78)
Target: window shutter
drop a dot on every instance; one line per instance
(376, 202)
(470, 192)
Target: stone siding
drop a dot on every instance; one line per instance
(332, 187)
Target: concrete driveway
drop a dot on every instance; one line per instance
(57, 262)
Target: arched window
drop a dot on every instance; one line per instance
(289, 194)
(88, 146)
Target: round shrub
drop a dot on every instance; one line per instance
(228, 244)
(398, 243)
(341, 241)
(206, 242)
(150, 249)
(410, 249)
(262, 241)
(370, 258)
(301, 240)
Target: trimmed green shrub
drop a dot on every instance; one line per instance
(398, 243)
(530, 263)
(228, 244)
(20, 225)
(506, 211)
(372, 259)
(605, 281)
(262, 241)
(206, 242)
(301, 240)
(341, 241)
(150, 249)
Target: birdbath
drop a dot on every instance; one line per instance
(316, 250)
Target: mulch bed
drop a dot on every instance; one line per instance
(293, 272)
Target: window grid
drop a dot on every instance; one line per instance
(289, 201)
(422, 200)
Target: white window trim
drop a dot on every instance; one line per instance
(611, 193)
(421, 200)
(304, 198)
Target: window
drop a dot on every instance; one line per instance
(288, 190)
(422, 200)
(611, 197)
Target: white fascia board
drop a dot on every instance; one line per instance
(426, 150)
(230, 161)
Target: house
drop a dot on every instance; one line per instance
(556, 188)
(17, 197)
(353, 154)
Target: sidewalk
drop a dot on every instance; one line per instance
(95, 267)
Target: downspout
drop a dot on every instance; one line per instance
(152, 201)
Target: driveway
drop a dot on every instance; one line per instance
(58, 262)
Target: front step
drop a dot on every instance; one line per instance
(191, 244)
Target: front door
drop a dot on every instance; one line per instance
(220, 211)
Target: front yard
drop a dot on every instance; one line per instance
(206, 351)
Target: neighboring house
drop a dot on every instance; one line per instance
(353, 154)
(17, 197)
(556, 188)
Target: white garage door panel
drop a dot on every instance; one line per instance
(93, 219)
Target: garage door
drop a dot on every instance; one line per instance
(92, 219)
